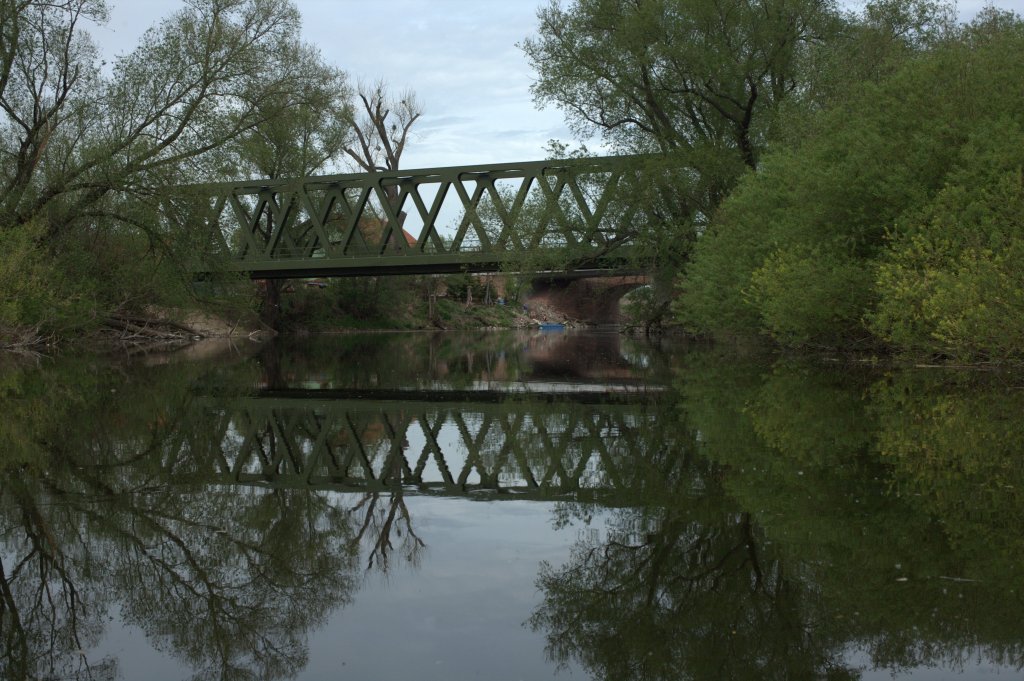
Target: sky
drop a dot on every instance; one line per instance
(459, 56)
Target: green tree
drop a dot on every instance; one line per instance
(670, 75)
(951, 282)
(697, 81)
(297, 137)
(794, 252)
(305, 134)
(88, 157)
(81, 147)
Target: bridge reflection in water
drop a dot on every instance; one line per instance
(796, 523)
(542, 446)
(556, 417)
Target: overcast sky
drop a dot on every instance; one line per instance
(460, 57)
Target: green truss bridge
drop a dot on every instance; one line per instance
(574, 215)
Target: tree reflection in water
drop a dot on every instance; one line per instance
(229, 580)
(199, 520)
(817, 522)
(764, 520)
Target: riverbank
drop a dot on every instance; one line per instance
(402, 306)
(154, 328)
(158, 329)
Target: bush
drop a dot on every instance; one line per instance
(953, 281)
(68, 286)
(811, 299)
(458, 284)
(27, 296)
(874, 223)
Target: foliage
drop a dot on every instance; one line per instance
(87, 158)
(28, 298)
(832, 290)
(78, 146)
(357, 302)
(301, 135)
(674, 74)
(638, 307)
(797, 249)
(46, 296)
(952, 282)
(698, 84)
(463, 287)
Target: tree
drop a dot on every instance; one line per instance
(381, 123)
(892, 219)
(85, 159)
(77, 142)
(381, 126)
(304, 135)
(669, 75)
(698, 81)
(298, 137)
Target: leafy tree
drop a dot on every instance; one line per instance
(297, 137)
(305, 134)
(674, 75)
(88, 158)
(794, 251)
(697, 81)
(77, 142)
(951, 282)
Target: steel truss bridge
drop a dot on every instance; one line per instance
(536, 447)
(484, 218)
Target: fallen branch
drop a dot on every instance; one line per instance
(152, 321)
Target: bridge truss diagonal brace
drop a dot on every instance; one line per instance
(329, 225)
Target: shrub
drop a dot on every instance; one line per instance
(813, 298)
(875, 221)
(952, 281)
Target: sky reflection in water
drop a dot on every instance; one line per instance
(379, 507)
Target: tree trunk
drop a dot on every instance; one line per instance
(270, 307)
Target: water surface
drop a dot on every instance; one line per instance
(507, 506)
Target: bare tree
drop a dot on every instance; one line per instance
(381, 125)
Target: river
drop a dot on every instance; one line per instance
(502, 505)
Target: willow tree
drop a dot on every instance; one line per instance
(299, 136)
(86, 155)
(305, 134)
(74, 138)
(697, 81)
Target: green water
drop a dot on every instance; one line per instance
(507, 506)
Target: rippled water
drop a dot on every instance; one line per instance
(507, 506)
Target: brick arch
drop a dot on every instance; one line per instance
(593, 300)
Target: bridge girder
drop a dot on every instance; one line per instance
(585, 211)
